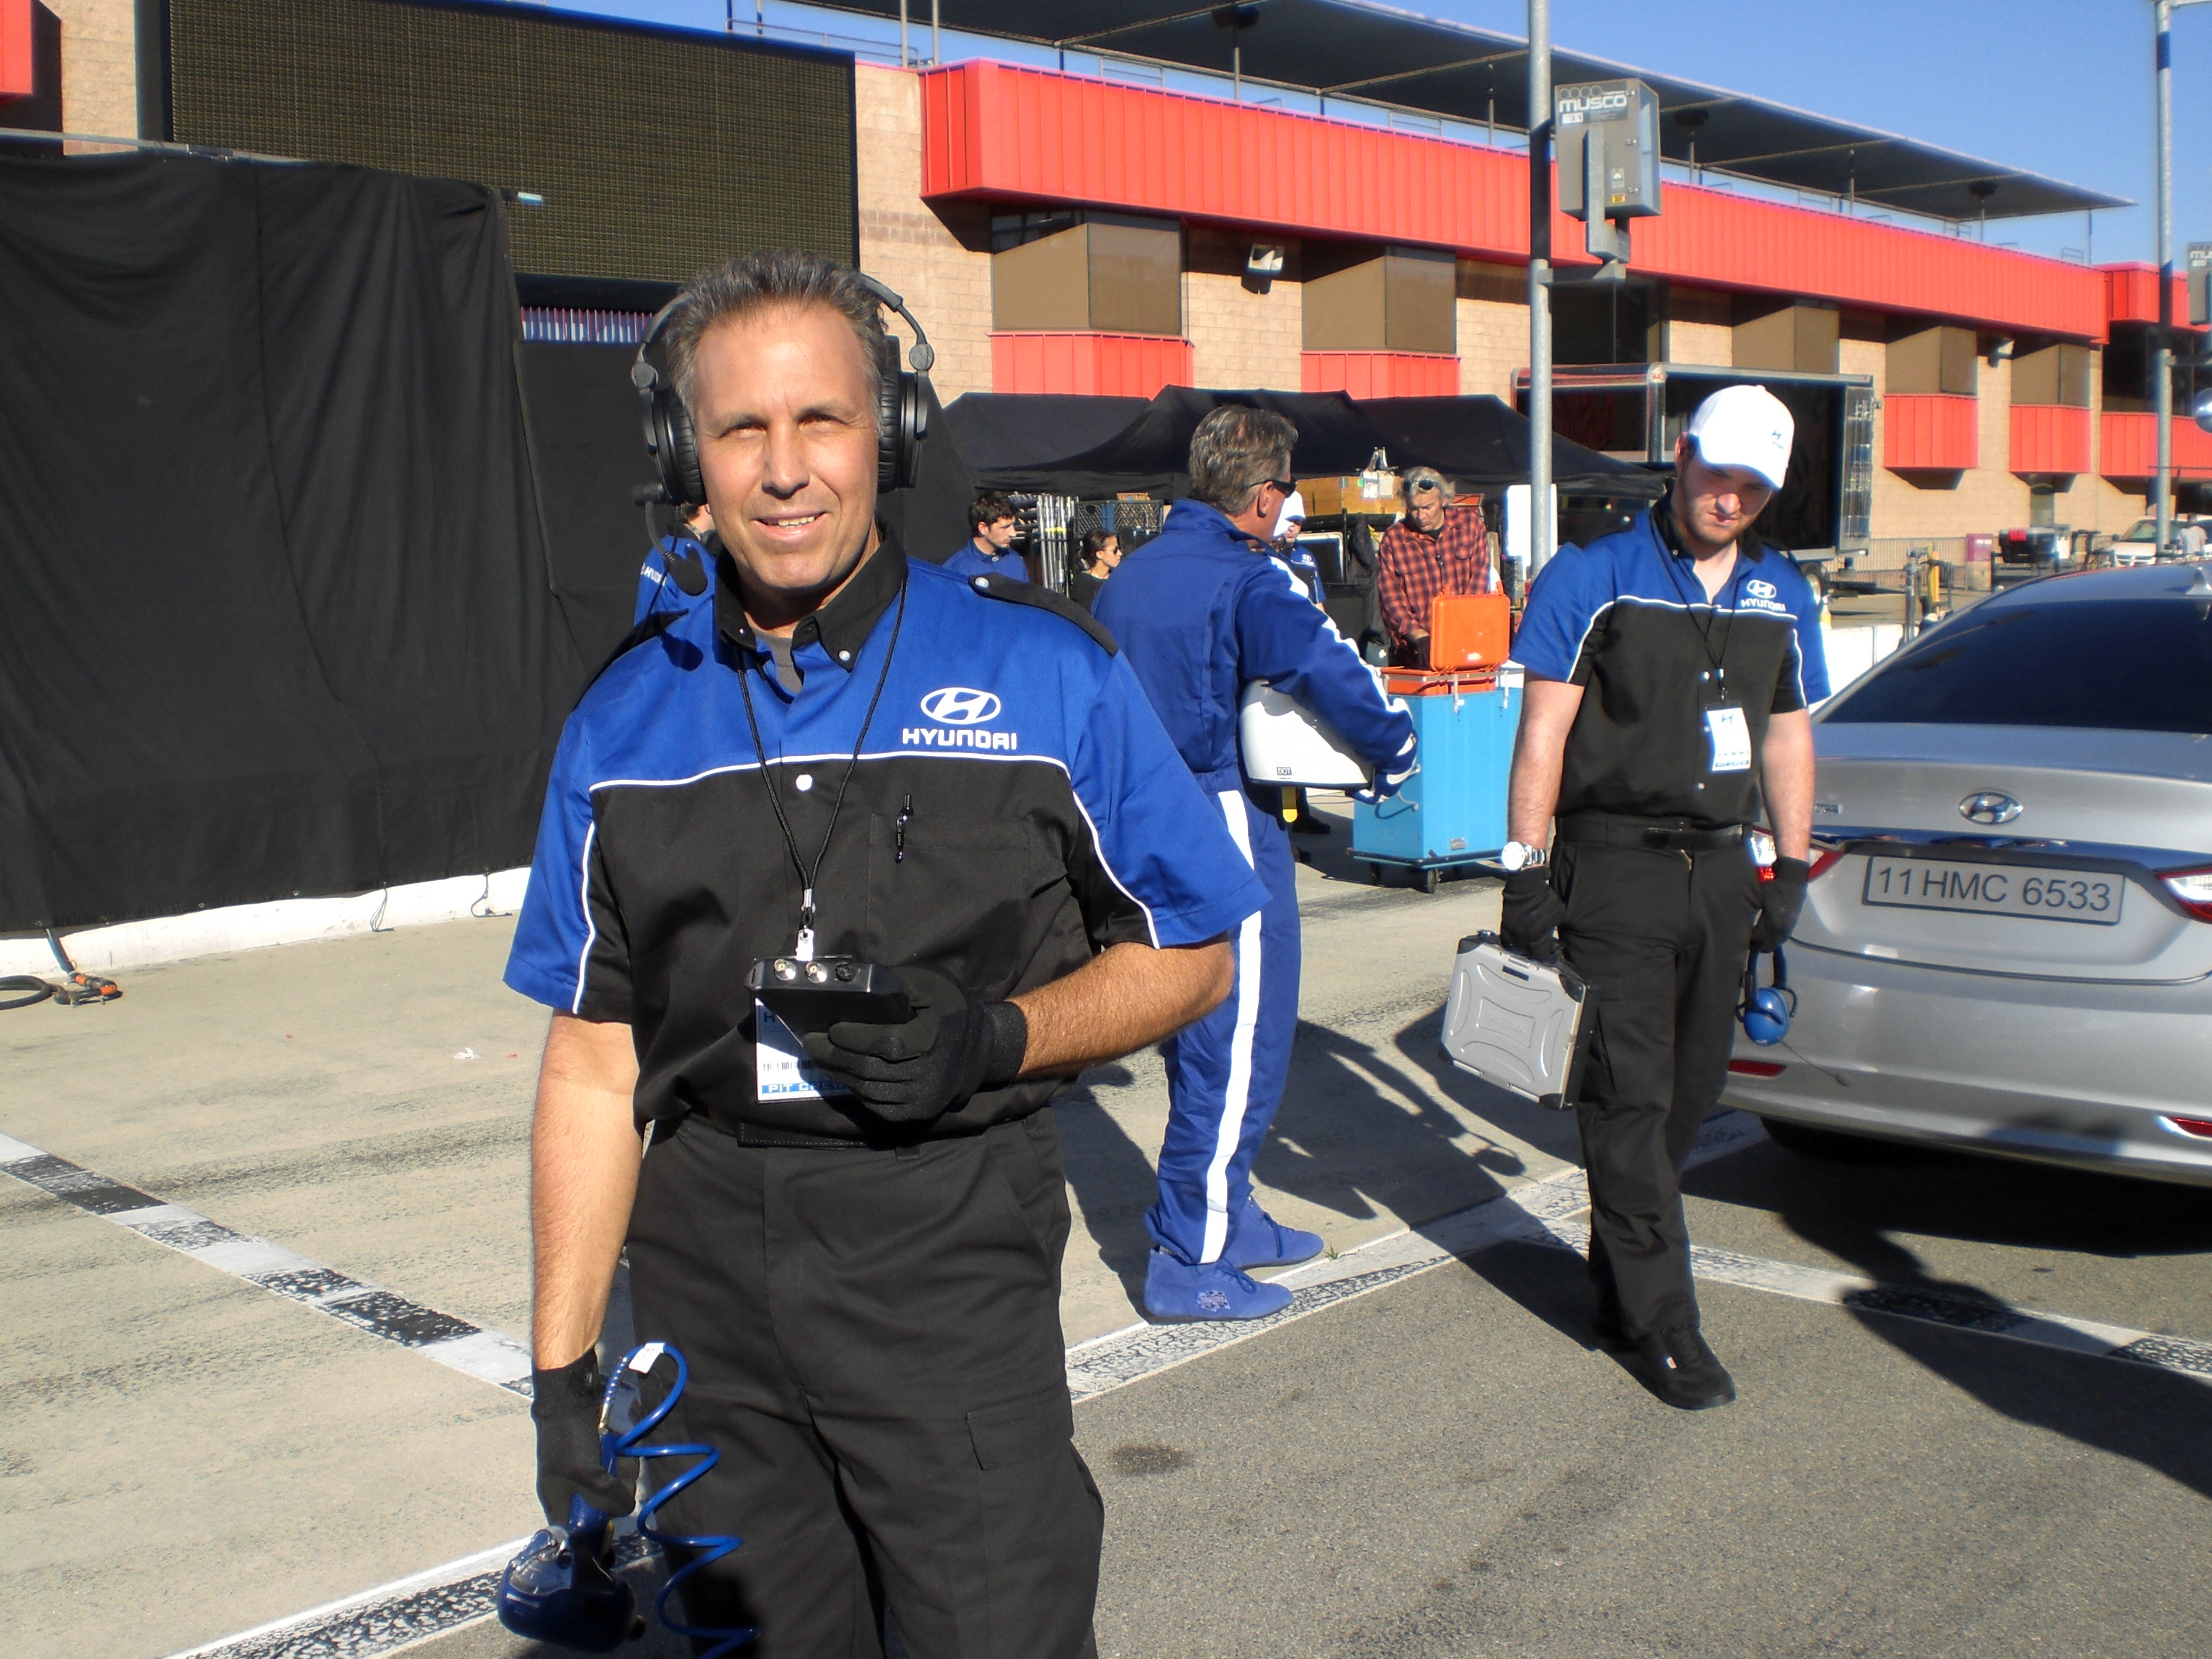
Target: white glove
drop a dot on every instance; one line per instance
(1391, 777)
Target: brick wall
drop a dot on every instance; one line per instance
(1240, 340)
(1493, 303)
(99, 67)
(938, 259)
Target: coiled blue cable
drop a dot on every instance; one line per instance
(620, 1441)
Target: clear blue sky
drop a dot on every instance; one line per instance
(2060, 86)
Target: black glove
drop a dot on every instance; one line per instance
(952, 1048)
(1781, 897)
(564, 1404)
(1529, 923)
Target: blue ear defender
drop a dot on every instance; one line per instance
(1766, 1010)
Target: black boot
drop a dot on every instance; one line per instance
(1683, 1372)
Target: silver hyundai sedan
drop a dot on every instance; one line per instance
(2006, 942)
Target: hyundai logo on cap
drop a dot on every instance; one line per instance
(956, 705)
(1991, 806)
(1744, 426)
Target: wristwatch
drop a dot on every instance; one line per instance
(1518, 855)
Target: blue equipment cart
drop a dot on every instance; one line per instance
(1452, 812)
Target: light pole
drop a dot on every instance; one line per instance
(2162, 357)
(1541, 526)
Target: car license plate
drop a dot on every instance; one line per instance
(1996, 890)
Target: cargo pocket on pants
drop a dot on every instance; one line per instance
(1022, 1430)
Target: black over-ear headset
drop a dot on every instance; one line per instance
(902, 412)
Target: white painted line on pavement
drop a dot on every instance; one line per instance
(488, 1356)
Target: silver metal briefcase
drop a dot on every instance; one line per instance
(1522, 1024)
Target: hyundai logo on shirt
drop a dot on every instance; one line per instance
(955, 705)
(959, 706)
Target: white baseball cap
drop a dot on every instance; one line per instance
(1744, 426)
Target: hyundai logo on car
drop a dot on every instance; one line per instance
(1991, 806)
(955, 705)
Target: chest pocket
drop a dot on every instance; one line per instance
(975, 898)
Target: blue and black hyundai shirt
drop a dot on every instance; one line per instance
(1016, 808)
(1627, 619)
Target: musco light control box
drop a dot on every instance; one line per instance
(1519, 1023)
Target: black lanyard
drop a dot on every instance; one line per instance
(1705, 629)
(802, 943)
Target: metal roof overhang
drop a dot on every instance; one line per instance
(1380, 54)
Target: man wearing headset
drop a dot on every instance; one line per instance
(1669, 672)
(853, 1234)
(1202, 615)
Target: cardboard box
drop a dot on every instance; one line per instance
(1378, 493)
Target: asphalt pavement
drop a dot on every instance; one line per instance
(199, 1436)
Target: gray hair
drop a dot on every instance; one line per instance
(1427, 477)
(775, 276)
(1235, 450)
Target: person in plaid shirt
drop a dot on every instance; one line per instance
(1428, 552)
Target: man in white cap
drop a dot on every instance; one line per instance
(1670, 668)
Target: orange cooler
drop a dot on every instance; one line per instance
(1469, 630)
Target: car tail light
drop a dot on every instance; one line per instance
(1770, 1068)
(2193, 888)
(1820, 864)
(2192, 1125)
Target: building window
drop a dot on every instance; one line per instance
(2055, 374)
(1938, 362)
(1609, 323)
(1359, 297)
(1794, 338)
(1090, 273)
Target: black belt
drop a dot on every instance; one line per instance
(1656, 835)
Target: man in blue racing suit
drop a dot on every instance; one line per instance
(1199, 613)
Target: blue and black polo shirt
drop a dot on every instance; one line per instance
(1627, 619)
(1015, 808)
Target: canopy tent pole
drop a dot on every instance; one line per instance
(1540, 526)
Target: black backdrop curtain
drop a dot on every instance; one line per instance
(275, 609)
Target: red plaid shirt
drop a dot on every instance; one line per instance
(1413, 569)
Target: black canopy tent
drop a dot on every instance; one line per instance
(1477, 442)
(1010, 428)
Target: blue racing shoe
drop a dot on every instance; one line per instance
(1176, 1292)
(1257, 1240)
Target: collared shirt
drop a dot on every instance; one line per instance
(1414, 567)
(971, 561)
(1627, 619)
(656, 585)
(1199, 615)
(1015, 809)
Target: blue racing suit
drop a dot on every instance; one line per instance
(1200, 615)
(967, 562)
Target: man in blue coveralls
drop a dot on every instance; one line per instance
(1200, 614)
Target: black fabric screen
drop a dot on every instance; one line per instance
(590, 448)
(274, 614)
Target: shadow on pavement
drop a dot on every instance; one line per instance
(1357, 1128)
(1850, 1210)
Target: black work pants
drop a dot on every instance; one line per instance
(1662, 936)
(875, 1350)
